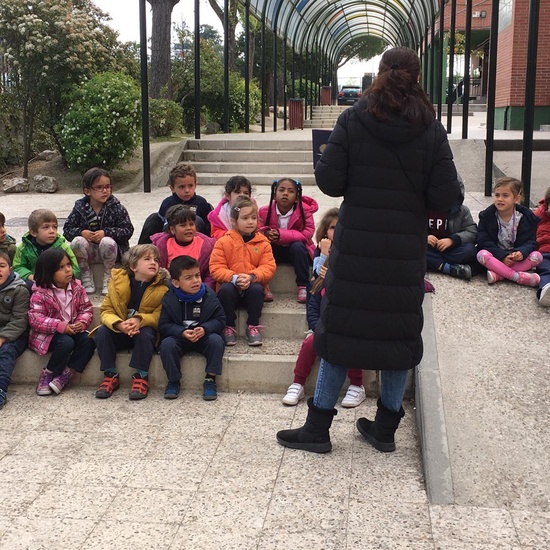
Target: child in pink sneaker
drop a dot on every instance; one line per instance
(287, 222)
(59, 316)
(506, 236)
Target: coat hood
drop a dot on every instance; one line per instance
(393, 130)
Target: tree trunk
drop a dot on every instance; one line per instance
(161, 48)
(233, 19)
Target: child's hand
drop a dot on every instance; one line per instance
(193, 334)
(516, 256)
(69, 330)
(2, 340)
(77, 327)
(432, 241)
(324, 246)
(97, 236)
(443, 244)
(87, 234)
(243, 281)
(30, 278)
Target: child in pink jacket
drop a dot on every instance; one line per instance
(59, 317)
(288, 224)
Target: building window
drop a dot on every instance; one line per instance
(505, 14)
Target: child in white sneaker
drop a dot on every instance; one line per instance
(98, 227)
(506, 236)
(287, 221)
(355, 394)
(59, 316)
(241, 262)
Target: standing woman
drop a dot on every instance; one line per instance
(390, 159)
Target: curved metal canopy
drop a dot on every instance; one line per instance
(331, 24)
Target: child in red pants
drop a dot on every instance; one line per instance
(356, 392)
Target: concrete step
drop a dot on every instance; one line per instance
(246, 167)
(257, 178)
(243, 155)
(316, 123)
(269, 144)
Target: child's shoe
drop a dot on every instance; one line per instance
(528, 279)
(230, 336)
(87, 280)
(140, 387)
(110, 384)
(59, 382)
(43, 386)
(106, 279)
(3, 398)
(302, 294)
(210, 390)
(172, 390)
(461, 271)
(268, 295)
(544, 297)
(354, 396)
(492, 277)
(253, 335)
(294, 394)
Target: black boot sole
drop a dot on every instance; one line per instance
(379, 445)
(310, 447)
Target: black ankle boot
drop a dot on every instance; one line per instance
(380, 432)
(313, 436)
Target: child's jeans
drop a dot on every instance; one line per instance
(461, 254)
(253, 298)
(9, 352)
(211, 346)
(297, 255)
(73, 351)
(109, 342)
(305, 361)
(93, 253)
(484, 257)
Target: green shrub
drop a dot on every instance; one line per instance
(101, 127)
(11, 145)
(165, 117)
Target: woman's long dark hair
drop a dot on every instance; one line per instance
(397, 91)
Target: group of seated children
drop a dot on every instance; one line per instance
(196, 310)
(211, 276)
(510, 240)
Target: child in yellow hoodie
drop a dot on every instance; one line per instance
(129, 315)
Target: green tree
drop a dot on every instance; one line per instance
(48, 47)
(362, 48)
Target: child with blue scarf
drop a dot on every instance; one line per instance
(192, 319)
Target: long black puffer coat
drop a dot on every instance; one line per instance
(389, 174)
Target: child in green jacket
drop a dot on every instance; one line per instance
(42, 235)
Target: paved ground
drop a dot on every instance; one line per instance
(79, 474)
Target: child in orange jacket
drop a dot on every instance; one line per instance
(241, 263)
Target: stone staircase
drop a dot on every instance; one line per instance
(324, 116)
(261, 160)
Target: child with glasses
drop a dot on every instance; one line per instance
(287, 222)
(98, 227)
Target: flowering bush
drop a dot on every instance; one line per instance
(101, 127)
(165, 117)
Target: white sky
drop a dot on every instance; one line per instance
(125, 20)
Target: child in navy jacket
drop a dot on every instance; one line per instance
(192, 319)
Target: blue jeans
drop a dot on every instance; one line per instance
(331, 379)
(9, 352)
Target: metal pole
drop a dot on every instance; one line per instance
(426, 60)
(275, 80)
(467, 56)
(432, 60)
(491, 90)
(264, 83)
(144, 99)
(284, 82)
(439, 81)
(247, 66)
(197, 71)
(529, 112)
(450, 83)
(226, 66)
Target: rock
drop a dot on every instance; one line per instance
(45, 155)
(45, 184)
(15, 185)
(212, 127)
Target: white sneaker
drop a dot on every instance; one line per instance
(544, 298)
(106, 279)
(293, 395)
(354, 396)
(87, 280)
